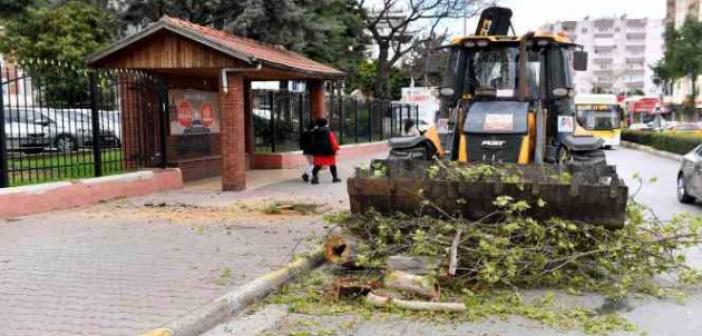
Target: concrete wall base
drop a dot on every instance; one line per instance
(26, 200)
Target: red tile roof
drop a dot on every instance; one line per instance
(248, 50)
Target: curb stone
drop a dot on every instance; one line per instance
(237, 300)
(652, 151)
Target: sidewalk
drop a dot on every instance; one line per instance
(123, 267)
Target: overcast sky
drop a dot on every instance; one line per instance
(531, 14)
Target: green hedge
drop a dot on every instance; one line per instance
(669, 142)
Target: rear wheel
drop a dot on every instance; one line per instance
(563, 155)
(683, 196)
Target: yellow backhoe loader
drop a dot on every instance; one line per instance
(507, 111)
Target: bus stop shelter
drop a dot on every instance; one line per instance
(208, 75)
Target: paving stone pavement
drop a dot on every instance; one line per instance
(123, 267)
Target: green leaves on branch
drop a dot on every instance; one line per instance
(510, 250)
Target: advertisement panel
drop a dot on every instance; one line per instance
(193, 112)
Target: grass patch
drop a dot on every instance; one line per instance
(25, 169)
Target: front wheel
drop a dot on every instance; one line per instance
(683, 196)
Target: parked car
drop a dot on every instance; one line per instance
(22, 133)
(686, 128)
(70, 130)
(35, 129)
(690, 177)
(640, 127)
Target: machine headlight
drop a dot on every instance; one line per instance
(469, 44)
(482, 44)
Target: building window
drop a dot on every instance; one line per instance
(584, 30)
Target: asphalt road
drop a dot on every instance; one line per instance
(658, 195)
(658, 317)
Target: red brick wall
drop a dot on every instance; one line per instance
(233, 134)
(317, 105)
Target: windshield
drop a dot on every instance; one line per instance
(598, 117)
(496, 68)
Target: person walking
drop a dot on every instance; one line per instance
(324, 149)
(307, 149)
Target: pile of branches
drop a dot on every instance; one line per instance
(508, 250)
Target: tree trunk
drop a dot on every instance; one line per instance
(341, 250)
(693, 98)
(382, 76)
(384, 301)
(417, 284)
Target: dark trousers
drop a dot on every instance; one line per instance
(332, 168)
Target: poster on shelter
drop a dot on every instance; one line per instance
(193, 112)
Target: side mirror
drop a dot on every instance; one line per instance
(580, 60)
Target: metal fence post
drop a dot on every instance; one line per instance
(416, 115)
(342, 121)
(4, 176)
(165, 120)
(370, 120)
(355, 123)
(95, 119)
(392, 121)
(382, 116)
(301, 108)
(272, 107)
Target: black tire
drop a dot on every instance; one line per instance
(683, 196)
(421, 152)
(563, 156)
(66, 143)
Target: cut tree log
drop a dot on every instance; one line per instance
(453, 257)
(339, 249)
(384, 301)
(413, 265)
(411, 283)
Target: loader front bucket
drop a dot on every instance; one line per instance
(588, 194)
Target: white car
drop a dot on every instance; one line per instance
(23, 133)
(640, 127)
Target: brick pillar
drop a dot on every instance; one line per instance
(233, 134)
(317, 105)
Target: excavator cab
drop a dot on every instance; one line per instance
(511, 99)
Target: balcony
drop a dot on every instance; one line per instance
(636, 37)
(636, 85)
(636, 23)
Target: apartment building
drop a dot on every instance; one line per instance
(621, 51)
(677, 12)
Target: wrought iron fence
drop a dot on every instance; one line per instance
(280, 117)
(59, 123)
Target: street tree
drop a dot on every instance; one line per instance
(427, 62)
(363, 78)
(329, 31)
(57, 34)
(683, 58)
(399, 26)
(14, 8)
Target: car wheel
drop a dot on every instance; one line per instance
(66, 143)
(683, 196)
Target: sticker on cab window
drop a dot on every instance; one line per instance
(566, 124)
(498, 122)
